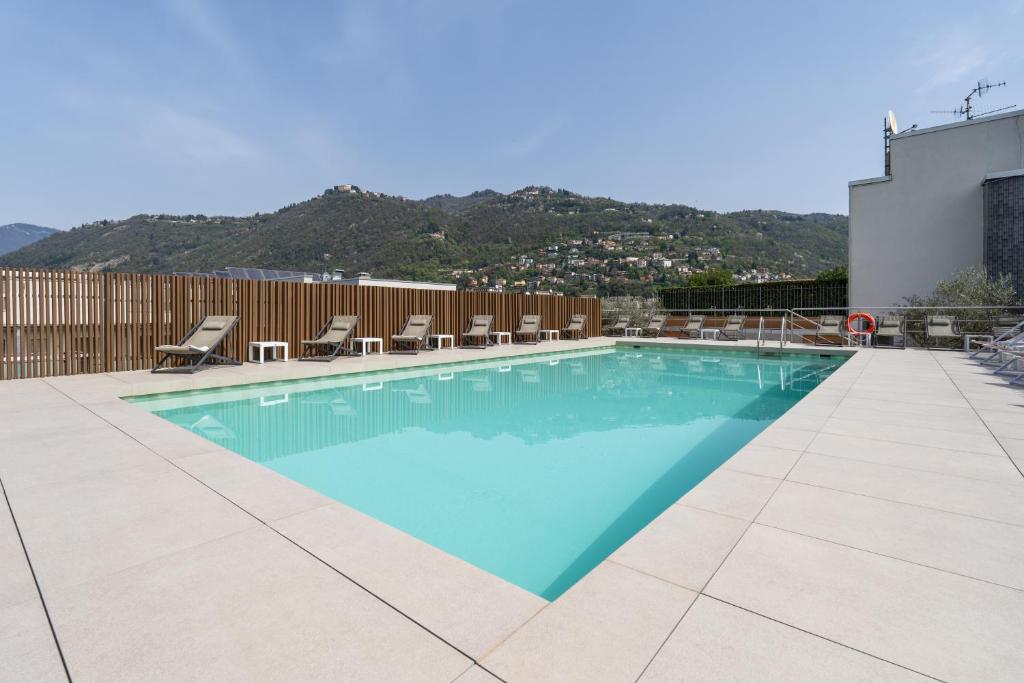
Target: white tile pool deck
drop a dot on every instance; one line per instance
(875, 531)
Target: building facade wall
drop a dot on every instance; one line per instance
(1004, 229)
(926, 220)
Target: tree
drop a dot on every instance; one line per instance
(712, 277)
(837, 274)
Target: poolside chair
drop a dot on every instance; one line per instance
(891, 327)
(694, 324)
(829, 326)
(413, 336)
(331, 339)
(529, 330)
(480, 328)
(1006, 324)
(733, 329)
(939, 327)
(576, 328)
(618, 328)
(655, 325)
(198, 345)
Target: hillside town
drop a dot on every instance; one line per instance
(617, 263)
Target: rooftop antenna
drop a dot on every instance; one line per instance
(889, 129)
(966, 110)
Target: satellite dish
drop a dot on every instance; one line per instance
(890, 121)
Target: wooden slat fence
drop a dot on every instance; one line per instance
(70, 322)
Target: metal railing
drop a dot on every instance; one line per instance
(800, 323)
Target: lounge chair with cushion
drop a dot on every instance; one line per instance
(198, 345)
(478, 333)
(829, 326)
(890, 327)
(413, 336)
(618, 328)
(655, 325)
(528, 331)
(331, 339)
(940, 327)
(576, 328)
(733, 330)
(694, 324)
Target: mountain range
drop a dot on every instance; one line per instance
(14, 236)
(447, 238)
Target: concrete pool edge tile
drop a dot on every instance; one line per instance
(605, 627)
(467, 606)
(717, 641)
(914, 616)
(279, 613)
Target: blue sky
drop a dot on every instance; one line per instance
(185, 106)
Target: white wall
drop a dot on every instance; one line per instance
(925, 221)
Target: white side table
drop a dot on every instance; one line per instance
(440, 339)
(968, 338)
(366, 344)
(257, 350)
(712, 331)
(550, 335)
(633, 331)
(501, 338)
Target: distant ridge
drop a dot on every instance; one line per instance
(17, 235)
(461, 239)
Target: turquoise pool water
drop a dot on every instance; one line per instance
(534, 469)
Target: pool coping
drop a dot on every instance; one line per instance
(493, 624)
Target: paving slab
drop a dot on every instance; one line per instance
(59, 456)
(258, 490)
(683, 545)
(248, 607)
(719, 642)
(996, 468)
(605, 628)
(763, 460)
(465, 605)
(930, 621)
(974, 441)
(1002, 502)
(91, 526)
(16, 584)
(979, 548)
(27, 649)
(732, 493)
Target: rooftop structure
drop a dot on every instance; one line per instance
(954, 198)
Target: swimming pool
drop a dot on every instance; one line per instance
(534, 469)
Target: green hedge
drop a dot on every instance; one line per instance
(783, 294)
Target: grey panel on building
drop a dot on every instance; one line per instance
(1004, 228)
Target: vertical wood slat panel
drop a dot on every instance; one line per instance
(69, 322)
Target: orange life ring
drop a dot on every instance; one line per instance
(860, 316)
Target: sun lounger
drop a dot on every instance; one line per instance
(939, 327)
(413, 336)
(655, 325)
(529, 330)
(694, 324)
(331, 339)
(829, 326)
(576, 328)
(479, 330)
(891, 327)
(618, 328)
(733, 329)
(198, 345)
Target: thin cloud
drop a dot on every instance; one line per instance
(197, 16)
(175, 134)
(953, 59)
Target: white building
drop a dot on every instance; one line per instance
(927, 219)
